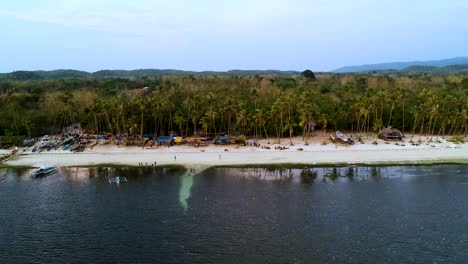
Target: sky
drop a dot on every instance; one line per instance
(320, 35)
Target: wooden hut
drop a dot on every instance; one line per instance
(390, 134)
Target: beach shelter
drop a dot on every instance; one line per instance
(390, 134)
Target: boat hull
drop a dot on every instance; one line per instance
(44, 172)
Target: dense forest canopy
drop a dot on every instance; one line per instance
(254, 106)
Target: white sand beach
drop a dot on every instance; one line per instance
(313, 153)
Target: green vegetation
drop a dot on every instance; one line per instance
(270, 106)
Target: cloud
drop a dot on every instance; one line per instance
(89, 16)
(222, 16)
(161, 17)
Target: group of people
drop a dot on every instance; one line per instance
(281, 148)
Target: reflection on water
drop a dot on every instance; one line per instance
(308, 175)
(17, 174)
(345, 214)
(79, 175)
(186, 183)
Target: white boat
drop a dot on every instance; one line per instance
(45, 142)
(344, 138)
(117, 179)
(42, 171)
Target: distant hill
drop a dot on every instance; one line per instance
(44, 75)
(403, 68)
(422, 70)
(132, 74)
(402, 65)
(451, 69)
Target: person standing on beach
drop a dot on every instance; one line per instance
(175, 157)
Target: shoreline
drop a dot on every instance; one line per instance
(313, 154)
(310, 158)
(253, 166)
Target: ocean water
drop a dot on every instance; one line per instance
(395, 214)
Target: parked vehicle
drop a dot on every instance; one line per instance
(45, 142)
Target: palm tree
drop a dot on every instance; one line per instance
(167, 107)
(212, 117)
(190, 104)
(94, 111)
(324, 121)
(261, 119)
(141, 105)
(392, 100)
(133, 127)
(241, 120)
(205, 123)
(253, 96)
(290, 123)
(230, 108)
(402, 95)
(179, 120)
(28, 125)
(308, 111)
(13, 109)
(282, 109)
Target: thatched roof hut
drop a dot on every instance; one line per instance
(390, 134)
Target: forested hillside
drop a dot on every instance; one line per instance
(397, 66)
(132, 74)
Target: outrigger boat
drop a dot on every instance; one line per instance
(117, 179)
(42, 171)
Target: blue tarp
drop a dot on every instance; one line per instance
(221, 141)
(165, 139)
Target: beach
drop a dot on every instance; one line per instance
(316, 152)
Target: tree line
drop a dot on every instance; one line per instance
(255, 106)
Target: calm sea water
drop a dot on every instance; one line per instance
(401, 214)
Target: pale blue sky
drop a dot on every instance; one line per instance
(221, 35)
